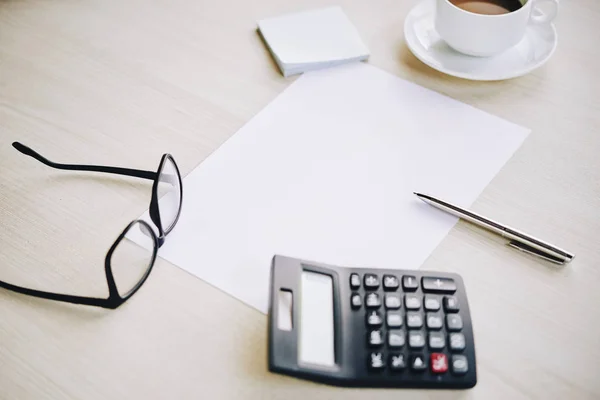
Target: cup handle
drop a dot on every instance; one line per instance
(540, 17)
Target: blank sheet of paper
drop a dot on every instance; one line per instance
(327, 171)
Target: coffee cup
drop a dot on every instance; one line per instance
(484, 28)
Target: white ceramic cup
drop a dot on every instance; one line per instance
(485, 35)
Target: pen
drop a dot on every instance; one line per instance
(517, 239)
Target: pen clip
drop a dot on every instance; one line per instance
(536, 252)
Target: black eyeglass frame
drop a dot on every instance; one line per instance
(114, 299)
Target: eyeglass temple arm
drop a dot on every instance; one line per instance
(90, 301)
(74, 167)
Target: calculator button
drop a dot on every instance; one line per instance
(396, 338)
(418, 362)
(416, 339)
(454, 322)
(376, 361)
(434, 321)
(371, 281)
(354, 281)
(375, 338)
(457, 341)
(390, 282)
(414, 320)
(439, 363)
(439, 285)
(409, 283)
(394, 319)
(372, 300)
(374, 319)
(397, 362)
(436, 340)
(459, 364)
(392, 301)
(450, 304)
(432, 303)
(356, 301)
(412, 302)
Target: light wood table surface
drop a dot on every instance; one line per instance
(121, 82)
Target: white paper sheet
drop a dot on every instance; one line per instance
(326, 172)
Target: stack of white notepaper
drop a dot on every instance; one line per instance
(310, 40)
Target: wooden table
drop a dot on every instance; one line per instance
(121, 82)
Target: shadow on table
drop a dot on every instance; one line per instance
(423, 74)
(254, 365)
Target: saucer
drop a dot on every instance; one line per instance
(536, 47)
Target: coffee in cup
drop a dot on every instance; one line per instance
(488, 27)
(488, 7)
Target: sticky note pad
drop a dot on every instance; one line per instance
(314, 39)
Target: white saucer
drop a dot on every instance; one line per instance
(532, 52)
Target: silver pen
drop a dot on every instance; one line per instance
(517, 239)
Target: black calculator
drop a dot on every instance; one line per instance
(364, 327)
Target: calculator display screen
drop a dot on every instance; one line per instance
(316, 331)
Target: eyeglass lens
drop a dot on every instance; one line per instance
(130, 262)
(169, 194)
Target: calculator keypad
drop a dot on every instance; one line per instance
(354, 281)
(372, 300)
(412, 302)
(457, 341)
(459, 365)
(432, 303)
(374, 318)
(376, 361)
(450, 304)
(396, 338)
(391, 328)
(438, 285)
(409, 283)
(390, 282)
(418, 362)
(392, 301)
(454, 322)
(356, 301)
(414, 319)
(416, 339)
(397, 362)
(394, 319)
(419, 327)
(371, 281)
(437, 341)
(439, 363)
(434, 321)
(375, 338)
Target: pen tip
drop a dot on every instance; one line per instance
(426, 198)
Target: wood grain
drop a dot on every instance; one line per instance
(121, 82)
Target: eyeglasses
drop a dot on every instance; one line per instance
(127, 264)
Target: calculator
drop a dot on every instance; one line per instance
(364, 327)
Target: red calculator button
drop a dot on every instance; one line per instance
(439, 363)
